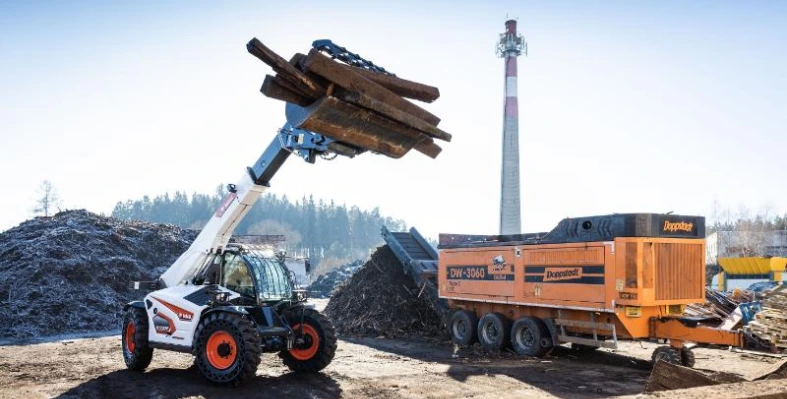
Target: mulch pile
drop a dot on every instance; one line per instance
(326, 284)
(71, 273)
(380, 300)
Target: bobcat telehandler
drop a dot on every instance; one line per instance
(228, 303)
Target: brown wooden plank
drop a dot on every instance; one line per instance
(283, 68)
(428, 148)
(402, 87)
(350, 80)
(390, 112)
(291, 87)
(358, 127)
(667, 376)
(273, 89)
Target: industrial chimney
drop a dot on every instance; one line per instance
(509, 47)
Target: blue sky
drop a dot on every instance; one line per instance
(624, 106)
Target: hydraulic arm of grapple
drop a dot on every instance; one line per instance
(242, 196)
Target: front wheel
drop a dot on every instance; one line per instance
(227, 348)
(315, 342)
(136, 352)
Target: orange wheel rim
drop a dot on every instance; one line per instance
(311, 344)
(221, 350)
(131, 331)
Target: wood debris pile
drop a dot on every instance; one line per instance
(380, 300)
(771, 322)
(72, 272)
(719, 304)
(361, 109)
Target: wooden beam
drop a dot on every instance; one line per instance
(291, 87)
(358, 127)
(271, 88)
(667, 376)
(348, 79)
(391, 112)
(285, 69)
(402, 87)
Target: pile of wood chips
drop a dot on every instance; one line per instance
(771, 322)
(380, 300)
(360, 108)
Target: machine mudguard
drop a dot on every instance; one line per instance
(227, 309)
(134, 304)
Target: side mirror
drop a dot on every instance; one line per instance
(307, 265)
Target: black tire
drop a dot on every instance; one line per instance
(306, 356)
(493, 331)
(530, 337)
(667, 354)
(227, 348)
(137, 353)
(687, 357)
(463, 326)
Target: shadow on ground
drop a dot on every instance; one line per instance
(564, 373)
(171, 383)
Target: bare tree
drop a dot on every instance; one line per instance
(48, 199)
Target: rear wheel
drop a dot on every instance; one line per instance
(227, 348)
(136, 351)
(463, 326)
(493, 331)
(315, 341)
(530, 337)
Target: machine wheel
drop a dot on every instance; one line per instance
(530, 337)
(227, 348)
(493, 331)
(463, 326)
(667, 354)
(315, 347)
(136, 351)
(687, 357)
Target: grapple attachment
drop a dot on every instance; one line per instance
(359, 107)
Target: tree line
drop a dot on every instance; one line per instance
(323, 231)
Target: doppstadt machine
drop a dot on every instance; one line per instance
(591, 281)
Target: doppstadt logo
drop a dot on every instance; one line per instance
(562, 273)
(673, 227)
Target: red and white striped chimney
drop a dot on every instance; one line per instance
(509, 47)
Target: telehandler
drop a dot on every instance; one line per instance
(228, 303)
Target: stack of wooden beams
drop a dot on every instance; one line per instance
(771, 322)
(361, 109)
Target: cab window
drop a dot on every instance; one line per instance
(237, 276)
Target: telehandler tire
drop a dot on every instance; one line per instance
(463, 326)
(530, 337)
(493, 331)
(227, 348)
(315, 347)
(136, 352)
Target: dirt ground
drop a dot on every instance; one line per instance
(363, 368)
